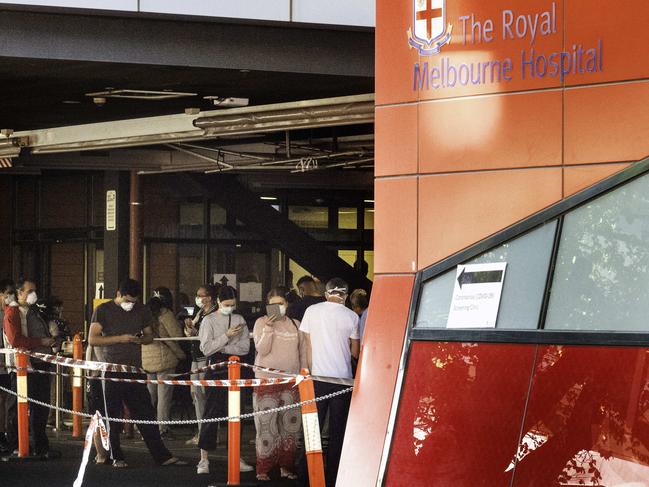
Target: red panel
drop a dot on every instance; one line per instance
(457, 210)
(576, 178)
(587, 421)
(607, 123)
(395, 225)
(396, 140)
(460, 414)
(623, 33)
(492, 132)
(375, 379)
(394, 58)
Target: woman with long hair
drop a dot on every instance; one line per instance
(161, 357)
(280, 345)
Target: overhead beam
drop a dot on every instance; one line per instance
(259, 47)
(325, 112)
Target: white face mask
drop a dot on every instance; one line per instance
(282, 309)
(11, 298)
(31, 298)
(127, 305)
(226, 310)
(199, 301)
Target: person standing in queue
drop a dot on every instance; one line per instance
(24, 328)
(309, 295)
(162, 356)
(280, 345)
(7, 299)
(206, 298)
(120, 327)
(332, 340)
(222, 334)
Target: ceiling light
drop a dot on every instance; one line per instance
(368, 201)
(268, 198)
(71, 102)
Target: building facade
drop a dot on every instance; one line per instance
(494, 119)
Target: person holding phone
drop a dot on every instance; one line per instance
(221, 334)
(206, 298)
(281, 345)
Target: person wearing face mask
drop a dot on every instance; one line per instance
(206, 298)
(332, 339)
(119, 328)
(280, 345)
(222, 334)
(25, 328)
(7, 298)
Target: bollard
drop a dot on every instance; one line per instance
(23, 406)
(311, 427)
(77, 388)
(234, 425)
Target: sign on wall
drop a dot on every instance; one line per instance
(476, 295)
(111, 210)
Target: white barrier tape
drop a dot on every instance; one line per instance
(109, 367)
(185, 421)
(95, 422)
(175, 382)
(234, 405)
(311, 428)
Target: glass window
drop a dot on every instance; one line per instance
(309, 216)
(368, 255)
(347, 218)
(348, 256)
(369, 219)
(600, 281)
(528, 260)
(297, 271)
(191, 220)
(191, 268)
(218, 215)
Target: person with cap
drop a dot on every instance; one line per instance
(332, 339)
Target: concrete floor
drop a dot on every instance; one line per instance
(141, 472)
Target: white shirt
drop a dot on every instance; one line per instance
(330, 327)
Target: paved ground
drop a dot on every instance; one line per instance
(142, 470)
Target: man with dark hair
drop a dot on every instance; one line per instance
(120, 327)
(309, 294)
(25, 328)
(331, 331)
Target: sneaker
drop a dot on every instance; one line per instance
(244, 467)
(203, 467)
(192, 441)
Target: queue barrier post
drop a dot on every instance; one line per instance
(311, 427)
(77, 388)
(234, 425)
(23, 406)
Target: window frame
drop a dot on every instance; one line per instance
(539, 335)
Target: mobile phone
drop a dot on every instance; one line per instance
(272, 310)
(190, 311)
